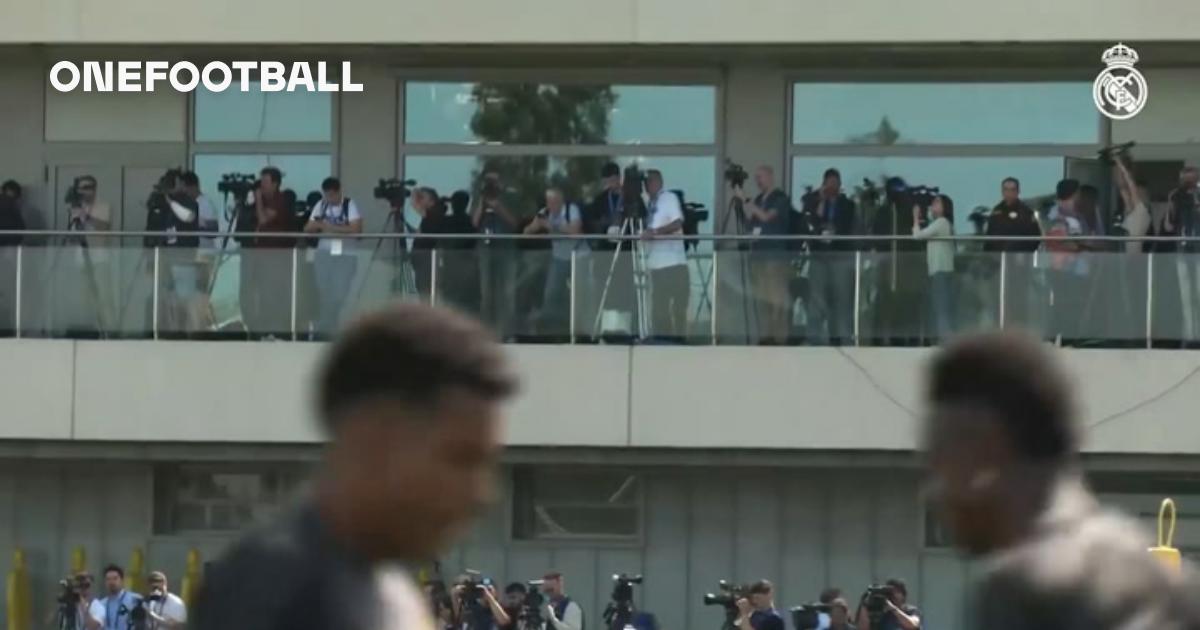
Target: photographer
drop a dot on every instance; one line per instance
(87, 213)
(839, 615)
(559, 218)
(486, 613)
(758, 612)
(113, 611)
(493, 214)
(560, 612)
(335, 263)
(266, 271)
(426, 203)
(514, 599)
(831, 270)
(1012, 217)
(10, 220)
(76, 606)
(939, 256)
(897, 613)
(172, 211)
(606, 216)
(666, 258)
(768, 214)
(164, 608)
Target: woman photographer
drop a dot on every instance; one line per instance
(939, 257)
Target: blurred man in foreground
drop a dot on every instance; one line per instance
(1003, 464)
(410, 396)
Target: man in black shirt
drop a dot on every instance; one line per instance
(410, 396)
(1012, 217)
(758, 612)
(1004, 473)
(769, 214)
(898, 614)
(831, 270)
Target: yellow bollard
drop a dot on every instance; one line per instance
(135, 576)
(79, 561)
(19, 596)
(1165, 553)
(190, 587)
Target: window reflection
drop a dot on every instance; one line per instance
(527, 113)
(944, 113)
(969, 181)
(254, 116)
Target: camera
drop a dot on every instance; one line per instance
(631, 193)
(491, 189)
(73, 198)
(619, 612)
(1110, 154)
(728, 595)
(395, 191)
(238, 185)
(531, 607)
(923, 196)
(876, 598)
(473, 581)
(808, 616)
(68, 594)
(735, 174)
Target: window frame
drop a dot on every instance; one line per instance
(165, 479)
(610, 541)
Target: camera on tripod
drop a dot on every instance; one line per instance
(631, 193)
(619, 612)
(532, 605)
(73, 197)
(238, 185)
(394, 190)
(735, 174)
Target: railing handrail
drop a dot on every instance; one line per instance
(965, 238)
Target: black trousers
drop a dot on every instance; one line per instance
(671, 286)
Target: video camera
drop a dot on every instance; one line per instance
(923, 196)
(619, 612)
(727, 595)
(70, 588)
(623, 587)
(1113, 152)
(876, 598)
(238, 185)
(394, 190)
(531, 607)
(735, 174)
(632, 184)
(808, 616)
(474, 581)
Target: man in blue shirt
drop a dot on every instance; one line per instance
(117, 605)
(758, 612)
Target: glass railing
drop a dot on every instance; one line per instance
(868, 291)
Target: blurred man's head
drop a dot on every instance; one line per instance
(331, 190)
(514, 594)
(11, 189)
(114, 579)
(610, 174)
(762, 593)
(271, 178)
(831, 183)
(1010, 190)
(424, 199)
(1067, 193)
(654, 182)
(554, 200)
(86, 187)
(191, 184)
(1189, 177)
(157, 581)
(764, 178)
(899, 595)
(552, 585)
(411, 396)
(999, 435)
(839, 612)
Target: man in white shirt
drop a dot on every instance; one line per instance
(336, 264)
(666, 260)
(165, 609)
(561, 613)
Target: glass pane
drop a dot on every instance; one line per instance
(516, 113)
(301, 173)
(1176, 308)
(8, 287)
(972, 182)
(944, 113)
(94, 288)
(254, 116)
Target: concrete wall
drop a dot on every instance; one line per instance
(625, 21)
(645, 397)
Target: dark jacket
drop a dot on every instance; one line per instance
(817, 221)
(604, 212)
(1005, 221)
(161, 218)
(289, 576)
(1083, 568)
(10, 219)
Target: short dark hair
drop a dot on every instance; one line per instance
(898, 585)
(11, 188)
(190, 178)
(112, 568)
(948, 208)
(761, 587)
(412, 353)
(831, 172)
(552, 575)
(610, 169)
(830, 594)
(654, 173)
(1013, 376)
(331, 183)
(460, 201)
(275, 174)
(1013, 180)
(516, 587)
(1066, 189)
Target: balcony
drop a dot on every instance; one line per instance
(138, 369)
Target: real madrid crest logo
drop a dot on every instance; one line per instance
(1120, 91)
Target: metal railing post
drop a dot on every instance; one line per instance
(295, 288)
(1003, 288)
(857, 295)
(18, 288)
(154, 296)
(433, 265)
(713, 284)
(571, 308)
(1150, 300)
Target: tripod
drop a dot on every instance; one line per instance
(406, 278)
(67, 617)
(630, 225)
(89, 273)
(618, 615)
(736, 210)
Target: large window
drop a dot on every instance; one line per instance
(192, 499)
(254, 116)
(963, 137)
(569, 504)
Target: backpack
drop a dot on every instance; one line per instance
(691, 220)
